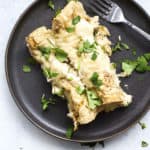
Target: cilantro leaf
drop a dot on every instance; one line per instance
(147, 56)
(94, 79)
(45, 50)
(60, 55)
(94, 56)
(93, 99)
(45, 103)
(120, 46)
(144, 144)
(76, 20)
(51, 4)
(58, 11)
(87, 47)
(80, 90)
(69, 132)
(26, 69)
(129, 66)
(49, 74)
(124, 46)
(70, 29)
(134, 52)
(142, 64)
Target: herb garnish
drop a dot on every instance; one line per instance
(147, 56)
(143, 125)
(45, 103)
(51, 4)
(26, 69)
(76, 20)
(70, 29)
(95, 80)
(80, 90)
(120, 46)
(93, 99)
(134, 52)
(58, 11)
(60, 54)
(49, 74)
(128, 66)
(69, 132)
(45, 51)
(94, 56)
(140, 64)
(87, 47)
(144, 144)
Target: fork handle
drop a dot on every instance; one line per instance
(146, 35)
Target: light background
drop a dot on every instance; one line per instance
(16, 132)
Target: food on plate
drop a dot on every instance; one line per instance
(75, 58)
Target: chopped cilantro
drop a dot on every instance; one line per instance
(120, 46)
(114, 65)
(70, 29)
(51, 4)
(45, 50)
(124, 46)
(49, 74)
(26, 69)
(94, 56)
(76, 20)
(147, 56)
(87, 47)
(142, 64)
(129, 66)
(134, 52)
(58, 11)
(93, 99)
(45, 103)
(80, 90)
(144, 144)
(94, 79)
(143, 125)
(60, 55)
(69, 132)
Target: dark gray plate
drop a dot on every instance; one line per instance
(28, 88)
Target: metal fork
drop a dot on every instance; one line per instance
(112, 13)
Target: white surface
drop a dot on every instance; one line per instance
(16, 132)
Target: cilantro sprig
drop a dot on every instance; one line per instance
(80, 90)
(93, 99)
(26, 69)
(139, 65)
(69, 132)
(76, 20)
(95, 80)
(49, 74)
(45, 102)
(51, 4)
(60, 54)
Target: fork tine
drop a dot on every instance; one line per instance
(108, 2)
(100, 8)
(99, 12)
(103, 4)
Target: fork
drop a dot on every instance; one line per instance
(112, 13)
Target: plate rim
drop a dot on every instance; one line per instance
(33, 121)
